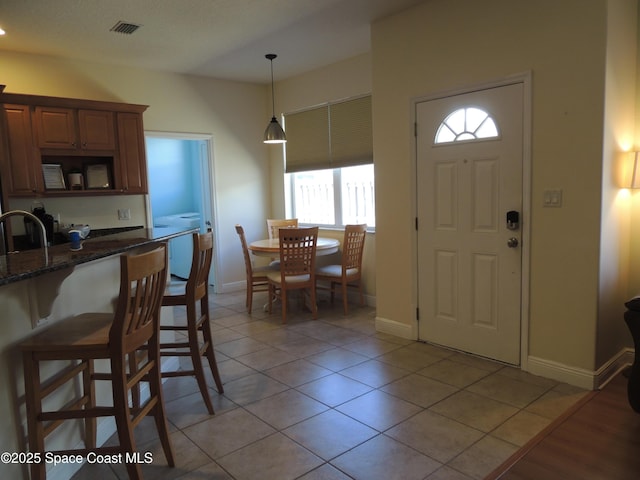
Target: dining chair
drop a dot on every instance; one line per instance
(87, 337)
(274, 225)
(256, 276)
(297, 267)
(194, 295)
(348, 274)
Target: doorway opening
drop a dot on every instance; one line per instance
(181, 191)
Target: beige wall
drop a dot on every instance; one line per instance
(235, 114)
(612, 333)
(634, 267)
(338, 81)
(436, 47)
(443, 45)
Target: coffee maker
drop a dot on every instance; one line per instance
(32, 230)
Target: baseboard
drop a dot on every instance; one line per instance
(231, 287)
(370, 300)
(392, 327)
(579, 377)
(609, 370)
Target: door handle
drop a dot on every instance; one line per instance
(512, 242)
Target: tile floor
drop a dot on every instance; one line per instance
(333, 399)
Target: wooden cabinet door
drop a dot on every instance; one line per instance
(55, 127)
(132, 162)
(97, 131)
(21, 171)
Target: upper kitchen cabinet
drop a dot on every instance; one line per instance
(66, 128)
(20, 164)
(48, 141)
(132, 167)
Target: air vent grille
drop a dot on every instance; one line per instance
(125, 28)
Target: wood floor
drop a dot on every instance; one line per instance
(598, 439)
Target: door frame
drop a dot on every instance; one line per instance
(525, 79)
(211, 208)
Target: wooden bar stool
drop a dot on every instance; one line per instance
(195, 292)
(115, 337)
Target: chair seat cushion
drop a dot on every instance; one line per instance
(275, 277)
(334, 271)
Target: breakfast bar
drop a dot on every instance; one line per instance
(36, 291)
(19, 266)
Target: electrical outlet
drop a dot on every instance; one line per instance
(124, 214)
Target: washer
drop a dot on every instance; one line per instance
(180, 248)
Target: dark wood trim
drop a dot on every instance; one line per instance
(46, 101)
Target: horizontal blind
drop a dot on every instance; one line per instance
(332, 136)
(307, 144)
(350, 133)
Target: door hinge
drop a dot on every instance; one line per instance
(416, 223)
(415, 129)
(418, 313)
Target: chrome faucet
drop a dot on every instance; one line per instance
(43, 231)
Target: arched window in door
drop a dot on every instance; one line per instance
(465, 124)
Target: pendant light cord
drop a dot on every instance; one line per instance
(271, 56)
(274, 132)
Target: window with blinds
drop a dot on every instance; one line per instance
(331, 136)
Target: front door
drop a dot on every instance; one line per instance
(469, 207)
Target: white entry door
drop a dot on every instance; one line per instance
(469, 205)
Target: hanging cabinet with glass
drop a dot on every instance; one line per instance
(103, 141)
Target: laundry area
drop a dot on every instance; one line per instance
(180, 248)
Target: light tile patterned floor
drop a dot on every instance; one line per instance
(332, 399)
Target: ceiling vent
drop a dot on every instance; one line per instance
(125, 27)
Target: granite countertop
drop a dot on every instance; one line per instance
(15, 267)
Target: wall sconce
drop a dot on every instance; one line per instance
(635, 172)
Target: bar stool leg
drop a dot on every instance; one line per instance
(196, 355)
(208, 338)
(33, 401)
(89, 390)
(123, 416)
(155, 387)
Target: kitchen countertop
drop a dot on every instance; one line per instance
(15, 267)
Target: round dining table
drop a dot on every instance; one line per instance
(270, 247)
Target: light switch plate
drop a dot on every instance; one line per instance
(552, 198)
(124, 214)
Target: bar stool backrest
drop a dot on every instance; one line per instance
(142, 282)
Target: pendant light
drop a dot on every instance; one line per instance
(274, 132)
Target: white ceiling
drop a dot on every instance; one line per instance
(220, 38)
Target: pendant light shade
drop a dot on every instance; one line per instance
(274, 132)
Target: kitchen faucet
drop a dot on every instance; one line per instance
(43, 235)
